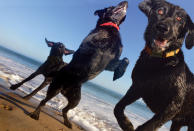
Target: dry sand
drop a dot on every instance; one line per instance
(14, 114)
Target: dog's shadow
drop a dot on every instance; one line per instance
(19, 104)
(15, 101)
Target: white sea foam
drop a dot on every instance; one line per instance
(91, 114)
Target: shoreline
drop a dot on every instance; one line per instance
(90, 118)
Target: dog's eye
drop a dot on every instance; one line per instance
(160, 12)
(60, 46)
(178, 18)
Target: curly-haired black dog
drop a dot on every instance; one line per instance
(99, 51)
(161, 77)
(53, 63)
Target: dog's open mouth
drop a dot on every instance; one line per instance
(119, 10)
(161, 43)
(122, 8)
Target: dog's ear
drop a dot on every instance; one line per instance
(146, 5)
(68, 52)
(189, 42)
(49, 43)
(100, 13)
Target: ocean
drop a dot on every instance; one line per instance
(95, 111)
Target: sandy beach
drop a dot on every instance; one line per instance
(14, 114)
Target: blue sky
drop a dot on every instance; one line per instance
(25, 23)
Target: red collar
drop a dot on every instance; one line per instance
(110, 24)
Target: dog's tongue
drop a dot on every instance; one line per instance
(160, 43)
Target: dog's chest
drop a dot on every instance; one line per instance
(102, 40)
(158, 87)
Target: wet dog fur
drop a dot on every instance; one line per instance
(99, 51)
(164, 83)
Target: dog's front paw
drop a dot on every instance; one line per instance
(34, 116)
(14, 87)
(68, 124)
(27, 97)
(119, 72)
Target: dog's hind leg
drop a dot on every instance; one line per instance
(176, 126)
(13, 87)
(118, 67)
(52, 91)
(131, 96)
(44, 83)
(73, 96)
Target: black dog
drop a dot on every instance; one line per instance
(99, 51)
(161, 76)
(53, 64)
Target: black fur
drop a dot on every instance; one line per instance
(164, 83)
(53, 64)
(99, 51)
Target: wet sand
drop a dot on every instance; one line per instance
(14, 114)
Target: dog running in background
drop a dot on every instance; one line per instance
(53, 64)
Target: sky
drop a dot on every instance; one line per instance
(24, 24)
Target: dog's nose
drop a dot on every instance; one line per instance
(163, 28)
(124, 3)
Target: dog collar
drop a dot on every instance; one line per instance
(110, 24)
(161, 55)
